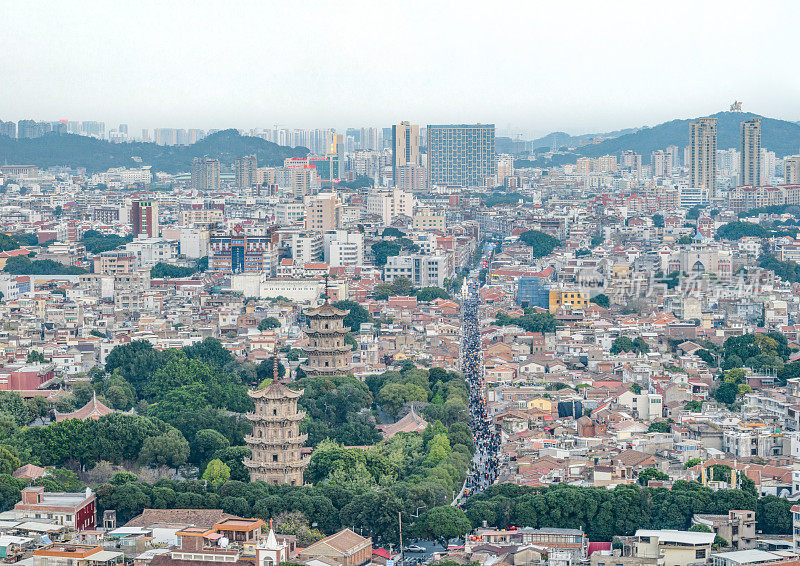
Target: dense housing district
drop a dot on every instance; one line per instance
(399, 345)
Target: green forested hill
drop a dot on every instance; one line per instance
(99, 155)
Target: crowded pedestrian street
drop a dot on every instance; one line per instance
(485, 466)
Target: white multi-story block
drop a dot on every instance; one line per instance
(343, 248)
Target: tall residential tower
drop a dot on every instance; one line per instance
(245, 169)
(461, 154)
(205, 174)
(144, 218)
(405, 147)
(703, 154)
(750, 169)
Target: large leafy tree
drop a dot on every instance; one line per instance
(624, 344)
(444, 523)
(428, 294)
(269, 323)
(531, 321)
(774, 515)
(167, 270)
(10, 491)
(207, 443)
(356, 316)
(541, 244)
(393, 396)
(651, 474)
(217, 473)
(169, 449)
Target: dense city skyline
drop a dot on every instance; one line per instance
(351, 64)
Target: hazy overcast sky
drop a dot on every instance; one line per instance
(534, 66)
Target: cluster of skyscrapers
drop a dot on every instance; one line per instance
(26, 129)
(457, 155)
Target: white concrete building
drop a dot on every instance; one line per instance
(287, 213)
(390, 204)
(150, 251)
(343, 248)
(194, 243)
(422, 270)
(307, 248)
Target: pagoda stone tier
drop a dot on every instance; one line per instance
(276, 443)
(327, 351)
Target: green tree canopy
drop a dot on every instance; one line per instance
(738, 230)
(269, 323)
(651, 474)
(541, 244)
(216, 473)
(428, 294)
(625, 344)
(356, 316)
(167, 270)
(444, 523)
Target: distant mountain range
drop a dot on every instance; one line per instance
(780, 136)
(99, 155)
(554, 139)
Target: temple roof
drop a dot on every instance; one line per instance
(275, 390)
(94, 409)
(412, 422)
(326, 309)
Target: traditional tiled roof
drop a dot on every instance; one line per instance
(275, 390)
(202, 518)
(343, 541)
(94, 409)
(412, 422)
(29, 471)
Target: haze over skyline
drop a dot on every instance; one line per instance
(578, 67)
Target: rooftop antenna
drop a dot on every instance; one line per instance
(326, 287)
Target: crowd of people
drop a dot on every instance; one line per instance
(485, 468)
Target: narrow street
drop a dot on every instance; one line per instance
(485, 464)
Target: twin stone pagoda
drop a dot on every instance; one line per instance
(276, 443)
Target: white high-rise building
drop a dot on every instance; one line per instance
(307, 248)
(505, 168)
(343, 248)
(661, 162)
(750, 169)
(703, 154)
(791, 168)
(390, 204)
(728, 162)
(767, 166)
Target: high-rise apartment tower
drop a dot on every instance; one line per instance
(245, 169)
(205, 174)
(144, 218)
(405, 147)
(750, 169)
(461, 154)
(703, 154)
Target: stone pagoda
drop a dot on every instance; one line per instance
(276, 442)
(326, 351)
